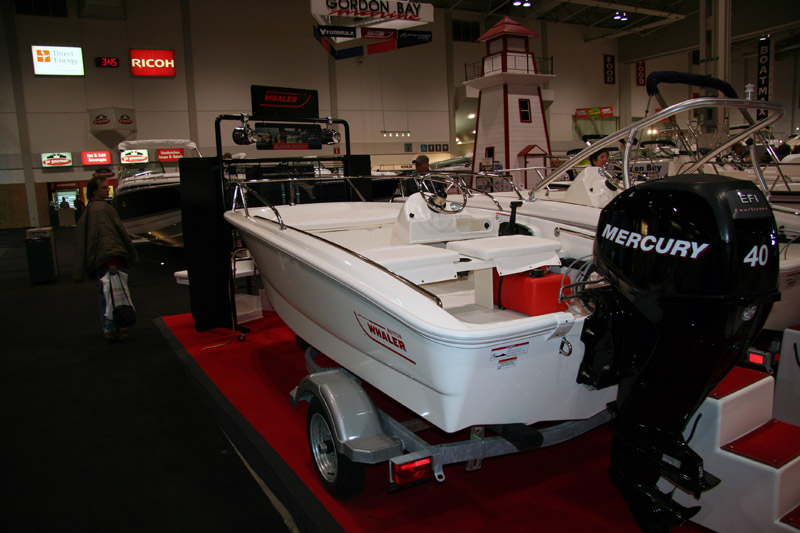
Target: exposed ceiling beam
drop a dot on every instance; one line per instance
(637, 29)
(629, 9)
(501, 4)
(544, 7)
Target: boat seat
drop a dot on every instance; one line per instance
(510, 253)
(417, 263)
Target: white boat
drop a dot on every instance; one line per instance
(147, 198)
(403, 296)
(432, 339)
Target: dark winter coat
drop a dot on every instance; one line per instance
(99, 237)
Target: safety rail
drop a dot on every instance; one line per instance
(629, 135)
(241, 190)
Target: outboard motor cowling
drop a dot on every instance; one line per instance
(692, 270)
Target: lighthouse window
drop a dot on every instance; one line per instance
(524, 110)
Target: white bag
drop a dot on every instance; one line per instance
(119, 284)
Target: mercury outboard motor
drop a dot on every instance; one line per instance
(692, 269)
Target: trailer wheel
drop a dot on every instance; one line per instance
(341, 477)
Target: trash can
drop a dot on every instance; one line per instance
(41, 249)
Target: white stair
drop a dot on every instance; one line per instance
(759, 492)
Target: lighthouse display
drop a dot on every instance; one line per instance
(511, 129)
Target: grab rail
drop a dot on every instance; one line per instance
(283, 226)
(629, 134)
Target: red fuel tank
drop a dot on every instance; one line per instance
(532, 294)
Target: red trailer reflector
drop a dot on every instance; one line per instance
(412, 472)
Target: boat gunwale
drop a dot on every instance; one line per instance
(472, 335)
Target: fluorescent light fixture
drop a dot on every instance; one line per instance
(57, 60)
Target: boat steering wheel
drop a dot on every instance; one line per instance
(612, 172)
(434, 187)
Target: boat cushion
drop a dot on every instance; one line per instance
(418, 263)
(510, 253)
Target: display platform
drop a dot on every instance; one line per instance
(561, 488)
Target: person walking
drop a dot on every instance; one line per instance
(102, 245)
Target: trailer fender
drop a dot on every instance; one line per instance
(354, 419)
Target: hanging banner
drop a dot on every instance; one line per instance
(383, 46)
(764, 85)
(346, 32)
(406, 38)
(111, 118)
(609, 70)
(386, 14)
(641, 74)
(378, 33)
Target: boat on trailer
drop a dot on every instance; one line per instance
(471, 326)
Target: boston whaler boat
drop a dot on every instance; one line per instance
(147, 198)
(469, 326)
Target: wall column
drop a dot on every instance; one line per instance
(22, 116)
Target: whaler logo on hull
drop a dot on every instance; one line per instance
(384, 336)
(651, 243)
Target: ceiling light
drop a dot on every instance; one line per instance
(393, 133)
(471, 116)
(517, 3)
(526, 4)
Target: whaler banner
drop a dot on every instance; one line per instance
(384, 10)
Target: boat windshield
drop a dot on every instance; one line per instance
(154, 167)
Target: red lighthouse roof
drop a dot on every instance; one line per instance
(507, 26)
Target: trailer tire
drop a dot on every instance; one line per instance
(340, 476)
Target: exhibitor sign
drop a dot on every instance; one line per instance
(283, 103)
(153, 63)
(56, 159)
(127, 157)
(169, 154)
(102, 157)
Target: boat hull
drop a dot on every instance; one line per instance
(451, 373)
(152, 212)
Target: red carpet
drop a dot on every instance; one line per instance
(774, 443)
(562, 488)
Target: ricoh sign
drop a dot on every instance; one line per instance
(160, 63)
